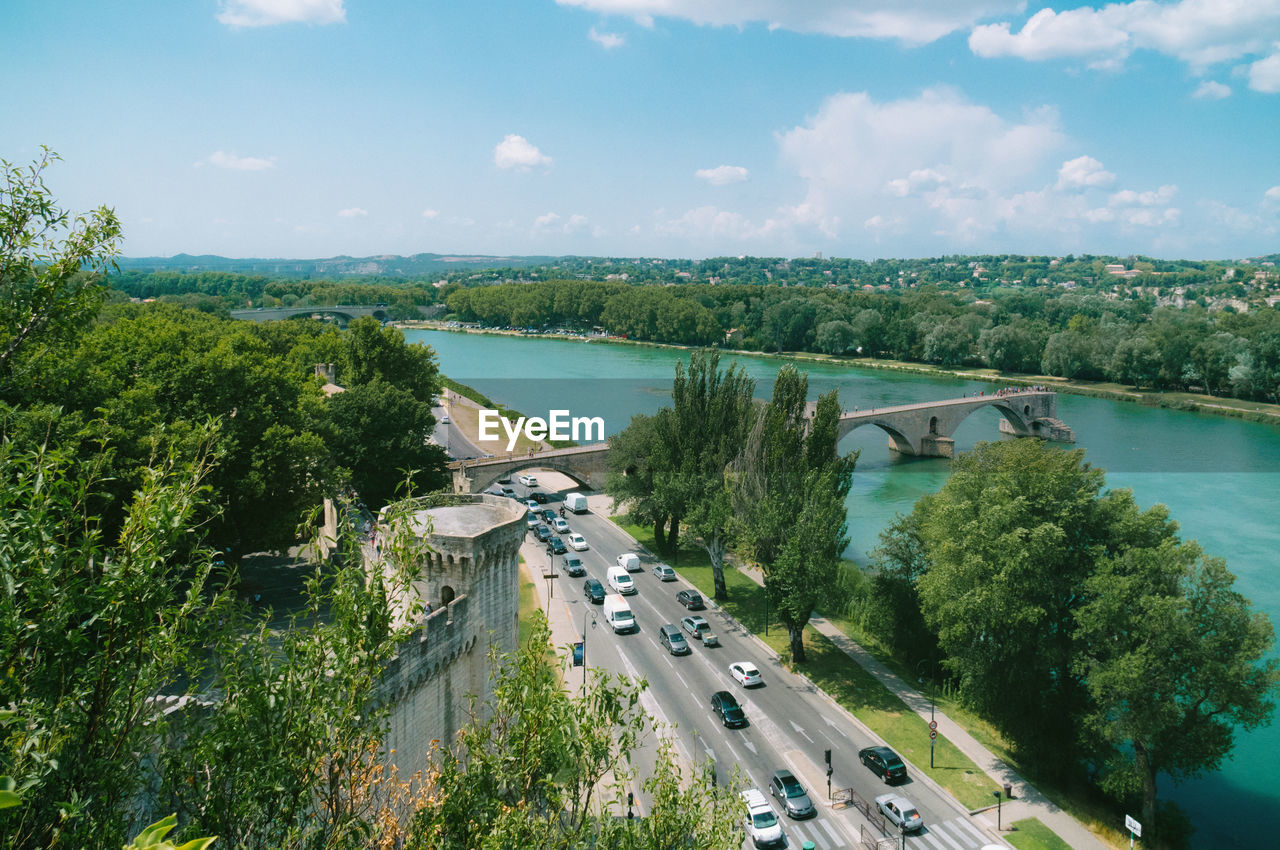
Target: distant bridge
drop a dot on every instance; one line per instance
(921, 430)
(344, 312)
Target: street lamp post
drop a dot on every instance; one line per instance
(584, 644)
(996, 794)
(933, 723)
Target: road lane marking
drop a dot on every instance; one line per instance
(965, 825)
(835, 726)
(926, 838)
(835, 836)
(939, 830)
(796, 726)
(681, 678)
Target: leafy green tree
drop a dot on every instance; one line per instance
(835, 337)
(546, 768)
(49, 286)
(1014, 347)
(1175, 661)
(898, 563)
(1136, 361)
(374, 352)
(631, 474)
(91, 631)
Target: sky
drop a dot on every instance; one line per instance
(660, 128)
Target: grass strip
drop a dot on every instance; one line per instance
(1031, 834)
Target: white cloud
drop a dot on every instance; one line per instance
(709, 224)
(722, 175)
(352, 212)
(1210, 90)
(1272, 194)
(551, 222)
(265, 13)
(516, 152)
(1198, 32)
(431, 213)
(1264, 75)
(951, 165)
(607, 40)
(239, 163)
(1083, 171)
(910, 21)
(1128, 197)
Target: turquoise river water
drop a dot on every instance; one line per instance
(1220, 478)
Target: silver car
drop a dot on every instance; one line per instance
(795, 800)
(900, 811)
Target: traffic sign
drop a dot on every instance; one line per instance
(1133, 826)
(933, 734)
(933, 724)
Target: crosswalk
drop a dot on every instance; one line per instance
(955, 834)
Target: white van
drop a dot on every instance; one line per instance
(762, 824)
(629, 561)
(617, 613)
(620, 580)
(576, 502)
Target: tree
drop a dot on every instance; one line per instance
(1136, 361)
(46, 294)
(549, 769)
(789, 485)
(835, 337)
(631, 474)
(1175, 661)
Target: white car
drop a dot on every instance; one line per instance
(528, 481)
(762, 824)
(901, 811)
(444, 419)
(577, 542)
(745, 673)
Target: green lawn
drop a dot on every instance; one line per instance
(843, 678)
(1031, 834)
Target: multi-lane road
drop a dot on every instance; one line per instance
(791, 723)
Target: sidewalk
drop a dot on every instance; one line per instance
(1027, 800)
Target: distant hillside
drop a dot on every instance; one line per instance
(388, 265)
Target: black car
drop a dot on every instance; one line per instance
(795, 800)
(593, 590)
(556, 546)
(548, 515)
(540, 498)
(885, 763)
(543, 533)
(690, 599)
(573, 566)
(726, 705)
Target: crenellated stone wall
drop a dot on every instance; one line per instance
(469, 576)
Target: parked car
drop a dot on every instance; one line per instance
(664, 573)
(900, 811)
(883, 762)
(690, 599)
(556, 546)
(726, 706)
(762, 824)
(573, 566)
(699, 629)
(577, 542)
(746, 674)
(593, 590)
(795, 800)
(560, 525)
(543, 533)
(671, 637)
(528, 480)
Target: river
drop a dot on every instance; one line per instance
(1220, 478)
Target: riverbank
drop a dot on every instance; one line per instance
(1249, 411)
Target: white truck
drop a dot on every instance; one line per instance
(576, 502)
(629, 561)
(617, 613)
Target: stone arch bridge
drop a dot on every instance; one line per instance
(920, 430)
(344, 313)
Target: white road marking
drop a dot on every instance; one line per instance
(796, 726)
(835, 726)
(966, 825)
(835, 836)
(750, 746)
(927, 838)
(940, 831)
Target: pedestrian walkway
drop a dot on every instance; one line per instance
(1027, 801)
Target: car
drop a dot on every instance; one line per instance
(532, 521)
(664, 573)
(532, 505)
(508, 492)
(539, 497)
(504, 478)
(884, 762)
(560, 525)
(690, 599)
(577, 542)
(726, 706)
(745, 673)
(672, 638)
(593, 590)
(762, 824)
(548, 516)
(528, 481)
(795, 800)
(900, 811)
(444, 419)
(573, 566)
(543, 533)
(699, 629)
(556, 546)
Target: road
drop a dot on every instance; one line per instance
(791, 723)
(452, 438)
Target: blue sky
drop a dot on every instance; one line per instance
(675, 128)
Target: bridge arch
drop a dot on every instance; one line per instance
(897, 438)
